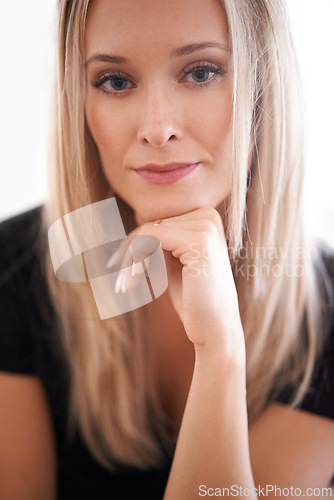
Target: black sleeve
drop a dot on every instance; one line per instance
(319, 398)
(18, 286)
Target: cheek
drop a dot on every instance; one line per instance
(215, 127)
(217, 134)
(107, 131)
(100, 124)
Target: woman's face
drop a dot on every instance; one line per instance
(159, 95)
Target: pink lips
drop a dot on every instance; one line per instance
(165, 173)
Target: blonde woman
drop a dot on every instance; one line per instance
(188, 112)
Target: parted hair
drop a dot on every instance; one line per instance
(115, 401)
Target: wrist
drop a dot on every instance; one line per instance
(221, 360)
(219, 376)
(225, 345)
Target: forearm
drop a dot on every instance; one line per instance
(212, 447)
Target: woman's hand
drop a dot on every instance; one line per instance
(200, 279)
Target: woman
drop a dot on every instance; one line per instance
(188, 112)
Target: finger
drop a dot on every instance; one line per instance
(138, 268)
(202, 213)
(119, 254)
(124, 255)
(126, 281)
(142, 246)
(190, 246)
(193, 225)
(203, 219)
(129, 277)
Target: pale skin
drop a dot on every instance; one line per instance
(164, 114)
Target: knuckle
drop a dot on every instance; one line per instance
(204, 238)
(215, 217)
(209, 226)
(212, 215)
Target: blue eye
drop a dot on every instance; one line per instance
(116, 83)
(113, 83)
(202, 73)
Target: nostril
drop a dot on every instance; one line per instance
(158, 134)
(158, 141)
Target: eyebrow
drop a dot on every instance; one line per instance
(179, 52)
(106, 58)
(193, 47)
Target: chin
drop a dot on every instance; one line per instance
(150, 214)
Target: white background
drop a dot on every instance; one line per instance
(26, 35)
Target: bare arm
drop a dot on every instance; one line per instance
(212, 448)
(27, 450)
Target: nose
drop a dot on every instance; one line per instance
(160, 118)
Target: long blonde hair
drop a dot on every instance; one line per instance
(114, 400)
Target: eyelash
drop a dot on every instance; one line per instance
(213, 68)
(98, 84)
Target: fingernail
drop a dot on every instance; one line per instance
(118, 283)
(133, 270)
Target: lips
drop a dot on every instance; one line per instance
(165, 173)
(166, 167)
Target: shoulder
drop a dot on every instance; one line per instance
(20, 245)
(25, 312)
(319, 397)
(22, 250)
(292, 447)
(19, 235)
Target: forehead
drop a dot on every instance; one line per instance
(153, 24)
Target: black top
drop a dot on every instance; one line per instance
(29, 344)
